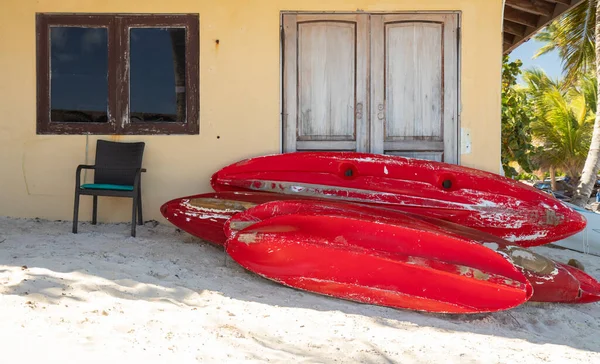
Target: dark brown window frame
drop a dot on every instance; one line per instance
(118, 26)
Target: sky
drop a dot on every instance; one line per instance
(549, 62)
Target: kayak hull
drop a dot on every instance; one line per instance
(551, 281)
(469, 197)
(343, 261)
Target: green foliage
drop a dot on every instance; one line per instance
(564, 120)
(545, 124)
(526, 177)
(516, 119)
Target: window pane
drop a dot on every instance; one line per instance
(79, 74)
(157, 75)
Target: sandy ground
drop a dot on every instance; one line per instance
(165, 297)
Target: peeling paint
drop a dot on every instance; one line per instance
(533, 262)
(247, 238)
(493, 246)
(477, 274)
(240, 225)
(218, 205)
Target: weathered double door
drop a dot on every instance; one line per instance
(377, 83)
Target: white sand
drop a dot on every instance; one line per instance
(103, 297)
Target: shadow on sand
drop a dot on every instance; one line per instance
(182, 268)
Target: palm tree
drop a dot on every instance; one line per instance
(576, 36)
(563, 121)
(573, 36)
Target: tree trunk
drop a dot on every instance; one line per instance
(592, 163)
(553, 179)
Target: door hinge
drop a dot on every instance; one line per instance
(381, 111)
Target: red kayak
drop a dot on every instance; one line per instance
(341, 257)
(481, 200)
(205, 215)
(551, 281)
(589, 287)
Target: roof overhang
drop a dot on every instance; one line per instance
(524, 18)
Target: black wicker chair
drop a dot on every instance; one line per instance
(117, 173)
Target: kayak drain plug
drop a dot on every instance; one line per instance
(447, 184)
(349, 172)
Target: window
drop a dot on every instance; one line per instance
(117, 74)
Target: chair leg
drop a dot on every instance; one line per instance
(133, 216)
(75, 212)
(139, 203)
(95, 210)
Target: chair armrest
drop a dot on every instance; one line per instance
(85, 166)
(138, 176)
(78, 173)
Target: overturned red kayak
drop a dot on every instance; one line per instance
(469, 197)
(339, 257)
(551, 281)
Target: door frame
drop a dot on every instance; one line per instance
(458, 13)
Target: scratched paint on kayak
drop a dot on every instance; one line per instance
(337, 258)
(470, 197)
(552, 281)
(204, 215)
(535, 228)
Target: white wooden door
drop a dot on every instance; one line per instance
(380, 83)
(414, 65)
(325, 82)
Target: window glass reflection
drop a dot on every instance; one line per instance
(157, 75)
(78, 74)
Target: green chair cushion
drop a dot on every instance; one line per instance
(98, 186)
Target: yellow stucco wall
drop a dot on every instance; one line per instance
(239, 99)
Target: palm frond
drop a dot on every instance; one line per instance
(573, 35)
(546, 36)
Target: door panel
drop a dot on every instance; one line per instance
(414, 70)
(325, 82)
(413, 84)
(326, 64)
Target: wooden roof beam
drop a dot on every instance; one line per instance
(536, 7)
(520, 17)
(514, 28)
(509, 38)
(564, 2)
